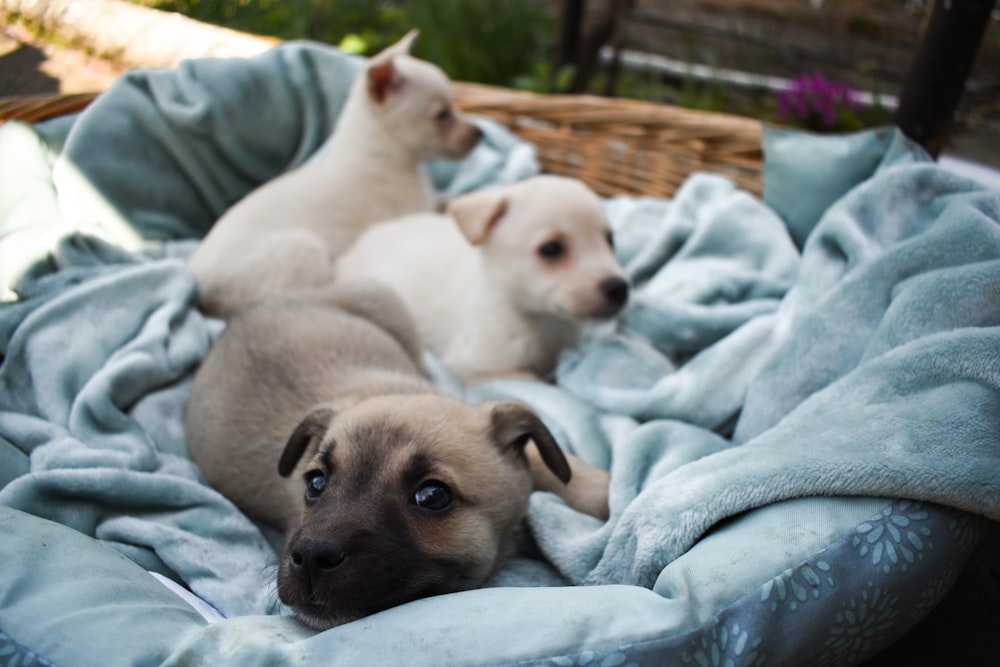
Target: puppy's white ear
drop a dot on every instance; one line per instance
(381, 78)
(382, 72)
(477, 213)
(400, 48)
(405, 43)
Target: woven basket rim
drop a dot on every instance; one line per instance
(615, 145)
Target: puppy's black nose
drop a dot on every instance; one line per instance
(313, 558)
(615, 290)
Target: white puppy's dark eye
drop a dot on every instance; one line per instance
(433, 496)
(315, 484)
(444, 115)
(611, 240)
(552, 250)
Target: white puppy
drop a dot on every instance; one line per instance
(500, 285)
(285, 234)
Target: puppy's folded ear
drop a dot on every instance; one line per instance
(515, 424)
(306, 436)
(477, 213)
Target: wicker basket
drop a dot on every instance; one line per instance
(616, 146)
(32, 108)
(621, 146)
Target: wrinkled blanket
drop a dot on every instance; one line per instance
(100, 345)
(877, 374)
(840, 337)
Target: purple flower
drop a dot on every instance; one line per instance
(816, 100)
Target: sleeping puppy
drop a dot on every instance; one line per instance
(313, 417)
(285, 234)
(504, 282)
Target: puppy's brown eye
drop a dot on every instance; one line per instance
(552, 250)
(315, 484)
(433, 496)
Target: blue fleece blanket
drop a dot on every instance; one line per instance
(818, 368)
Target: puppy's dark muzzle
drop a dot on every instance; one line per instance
(313, 560)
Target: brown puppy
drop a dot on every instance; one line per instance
(388, 491)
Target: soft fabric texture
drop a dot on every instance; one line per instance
(802, 443)
(806, 173)
(878, 375)
(100, 373)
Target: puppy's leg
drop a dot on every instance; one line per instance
(587, 490)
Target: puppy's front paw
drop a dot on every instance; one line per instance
(587, 490)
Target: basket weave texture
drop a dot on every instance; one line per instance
(616, 146)
(33, 108)
(622, 146)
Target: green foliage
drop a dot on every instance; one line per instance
(704, 95)
(502, 42)
(710, 95)
(371, 26)
(322, 20)
(542, 79)
(634, 83)
(490, 41)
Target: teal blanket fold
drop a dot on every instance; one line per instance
(785, 366)
(99, 349)
(878, 374)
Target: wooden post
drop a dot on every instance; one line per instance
(938, 72)
(570, 25)
(604, 30)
